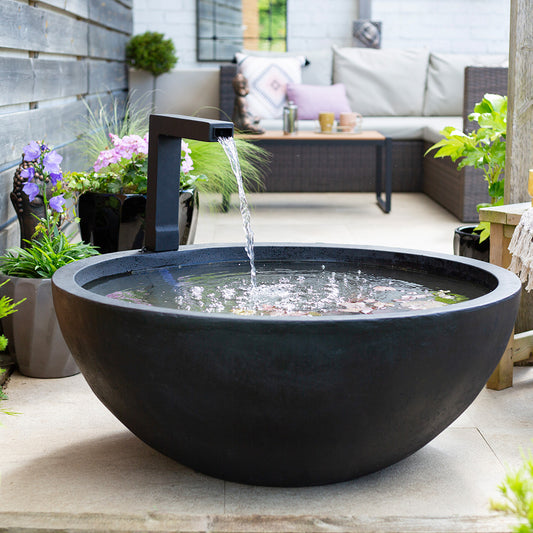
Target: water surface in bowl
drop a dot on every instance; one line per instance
(291, 289)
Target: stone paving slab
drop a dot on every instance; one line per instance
(68, 465)
(68, 462)
(161, 522)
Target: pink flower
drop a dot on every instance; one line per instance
(186, 160)
(129, 145)
(106, 158)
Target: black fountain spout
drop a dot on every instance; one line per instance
(164, 162)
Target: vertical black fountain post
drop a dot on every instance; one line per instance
(164, 161)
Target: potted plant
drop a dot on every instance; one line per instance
(151, 52)
(112, 195)
(482, 148)
(34, 336)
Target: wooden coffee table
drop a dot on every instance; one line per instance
(308, 161)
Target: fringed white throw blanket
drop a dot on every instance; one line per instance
(521, 248)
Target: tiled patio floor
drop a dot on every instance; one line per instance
(68, 465)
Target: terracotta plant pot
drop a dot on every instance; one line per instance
(35, 339)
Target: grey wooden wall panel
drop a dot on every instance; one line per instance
(6, 183)
(93, 69)
(106, 76)
(106, 44)
(110, 14)
(10, 236)
(76, 7)
(30, 28)
(29, 80)
(55, 125)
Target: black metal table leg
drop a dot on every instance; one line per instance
(384, 166)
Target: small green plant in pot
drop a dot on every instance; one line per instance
(482, 148)
(150, 51)
(30, 270)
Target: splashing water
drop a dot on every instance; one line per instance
(228, 143)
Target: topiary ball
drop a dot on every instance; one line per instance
(150, 51)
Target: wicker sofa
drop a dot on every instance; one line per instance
(412, 133)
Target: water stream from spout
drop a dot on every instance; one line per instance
(230, 148)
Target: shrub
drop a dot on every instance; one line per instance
(150, 51)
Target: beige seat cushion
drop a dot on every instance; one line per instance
(382, 82)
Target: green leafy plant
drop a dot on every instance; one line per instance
(482, 148)
(212, 169)
(517, 496)
(7, 307)
(49, 248)
(150, 51)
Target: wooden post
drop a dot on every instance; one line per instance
(519, 154)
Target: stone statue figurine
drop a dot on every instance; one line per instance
(28, 213)
(242, 118)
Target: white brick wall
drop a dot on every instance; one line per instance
(453, 26)
(314, 24)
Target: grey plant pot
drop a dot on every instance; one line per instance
(35, 339)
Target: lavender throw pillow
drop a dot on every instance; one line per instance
(314, 99)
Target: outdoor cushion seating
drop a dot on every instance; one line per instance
(407, 95)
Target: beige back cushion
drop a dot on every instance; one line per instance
(446, 74)
(382, 82)
(317, 71)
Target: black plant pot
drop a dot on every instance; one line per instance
(466, 244)
(115, 222)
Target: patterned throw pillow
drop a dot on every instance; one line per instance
(267, 79)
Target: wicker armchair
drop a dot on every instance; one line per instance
(460, 191)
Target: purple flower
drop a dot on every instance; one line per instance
(31, 189)
(56, 203)
(52, 161)
(55, 177)
(32, 151)
(28, 173)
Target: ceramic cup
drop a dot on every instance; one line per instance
(326, 121)
(350, 122)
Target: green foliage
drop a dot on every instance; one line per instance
(210, 160)
(117, 118)
(272, 24)
(126, 176)
(49, 250)
(212, 170)
(483, 148)
(150, 51)
(7, 307)
(517, 493)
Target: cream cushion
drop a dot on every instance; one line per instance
(446, 75)
(382, 82)
(318, 69)
(267, 80)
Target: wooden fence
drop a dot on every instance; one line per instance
(54, 56)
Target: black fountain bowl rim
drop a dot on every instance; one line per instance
(72, 277)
